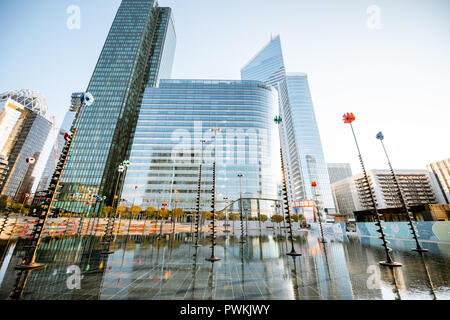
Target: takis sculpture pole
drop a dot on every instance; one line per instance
(241, 208)
(319, 217)
(199, 194)
(287, 208)
(418, 248)
(349, 118)
(79, 102)
(213, 223)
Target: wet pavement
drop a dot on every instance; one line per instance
(170, 267)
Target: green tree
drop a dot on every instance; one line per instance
(163, 213)
(17, 207)
(135, 210)
(150, 212)
(107, 210)
(276, 218)
(177, 213)
(263, 218)
(294, 218)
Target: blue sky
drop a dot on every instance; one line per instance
(395, 78)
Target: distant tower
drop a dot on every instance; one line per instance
(300, 135)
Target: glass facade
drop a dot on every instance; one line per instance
(167, 149)
(302, 148)
(29, 144)
(134, 55)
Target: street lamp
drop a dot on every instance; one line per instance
(349, 118)
(213, 223)
(418, 248)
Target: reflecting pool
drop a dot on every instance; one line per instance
(170, 267)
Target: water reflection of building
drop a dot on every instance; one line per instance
(50, 283)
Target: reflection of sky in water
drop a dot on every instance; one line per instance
(145, 267)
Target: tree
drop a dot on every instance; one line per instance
(177, 213)
(107, 210)
(206, 215)
(135, 210)
(220, 216)
(301, 217)
(263, 218)
(294, 218)
(276, 218)
(17, 207)
(150, 212)
(163, 213)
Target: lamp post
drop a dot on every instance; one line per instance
(213, 223)
(240, 175)
(349, 118)
(287, 208)
(319, 217)
(79, 102)
(418, 247)
(199, 194)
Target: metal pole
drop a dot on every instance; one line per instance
(240, 208)
(389, 261)
(418, 247)
(213, 226)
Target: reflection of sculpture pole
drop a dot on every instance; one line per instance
(418, 248)
(428, 276)
(241, 209)
(287, 208)
(213, 223)
(349, 118)
(319, 217)
(199, 195)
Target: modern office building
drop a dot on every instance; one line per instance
(30, 99)
(302, 147)
(441, 170)
(28, 143)
(167, 149)
(12, 117)
(339, 171)
(3, 168)
(138, 51)
(419, 187)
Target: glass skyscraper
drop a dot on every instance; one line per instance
(302, 147)
(138, 51)
(167, 149)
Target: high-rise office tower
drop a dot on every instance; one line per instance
(23, 133)
(441, 170)
(301, 142)
(167, 149)
(138, 51)
(339, 171)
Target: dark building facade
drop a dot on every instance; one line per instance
(138, 52)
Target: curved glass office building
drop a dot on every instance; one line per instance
(183, 123)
